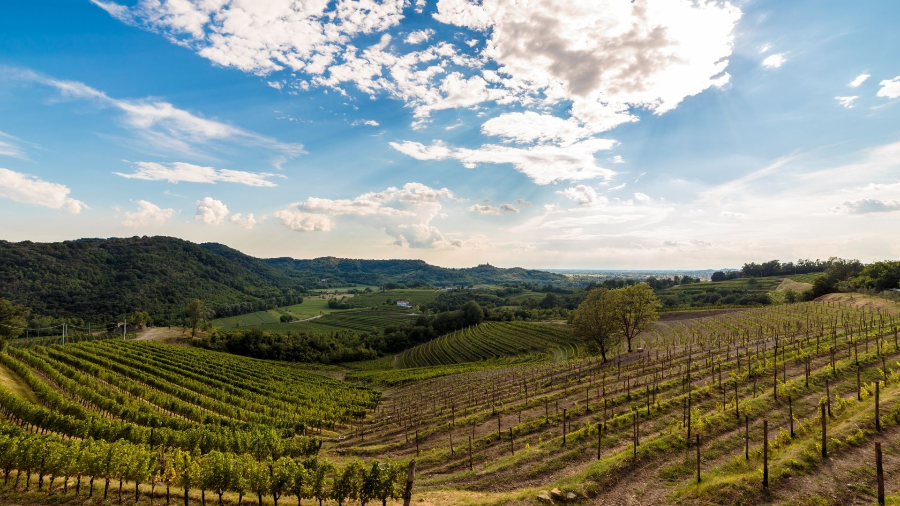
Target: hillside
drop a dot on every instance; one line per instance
(376, 272)
(101, 279)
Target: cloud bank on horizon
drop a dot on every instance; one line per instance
(654, 132)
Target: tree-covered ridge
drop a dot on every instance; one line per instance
(102, 279)
(409, 272)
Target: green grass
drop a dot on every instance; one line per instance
(806, 278)
(308, 309)
(752, 285)
(414, 296)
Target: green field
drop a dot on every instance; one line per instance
(491, 340)
(751, 285)
(308, 309)
(414, 296)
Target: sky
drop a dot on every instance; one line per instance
(598, 134)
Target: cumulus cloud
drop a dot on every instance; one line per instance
(147, 214)
(247, 221)
(485, 209)
(509, 208)
(607, 58)
(544, 164)
(523, 202)
(404, 213)
(846, 102)
(419, 36)
(774, 61)
(29, 189)
(890, 88)
(867, 206)
(296, 219)
(858, 80)
(582, 195)
(177, 172)
(211, 211)
(641, 197)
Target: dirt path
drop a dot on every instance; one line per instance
(15, 384)
(158, 334)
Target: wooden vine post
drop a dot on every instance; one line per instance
(791, 415)
(879, 471)
(824, 434)
(410, 477)
(765, 454)
(877, 406)
(564, 426)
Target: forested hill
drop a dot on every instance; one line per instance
(101, 279)
(376, 272)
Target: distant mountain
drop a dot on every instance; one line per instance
(101, 279)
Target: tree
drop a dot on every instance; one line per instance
(347, 484)
(283, 471)
(300, 485)
(13, 319)
(318, 479)
(596, 320)
(790, 296)
(188, 470)
(472, 312)
(637, 308)
(216, 473)
(196, 314)
(260, 479)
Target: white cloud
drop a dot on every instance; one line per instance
(858, 80)
(774, 61)
(12, 146)
(28, 189)
(404, 213)
(247, 221)
(642, 197)
(765, 48)
(509, 208)
(527, 127)
(367, 122)
(485, 209)
(178, 172)
(147, 214)
(846, 102)
(162, 124)
(419, 36)
(583, 195)
(731, 215)
(211, 211)
(300, 221)
(607, 58)
(867, 206)
(890, 88)
(544, 164)
(523, 202)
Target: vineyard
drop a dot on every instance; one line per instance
(491, 340)
(148, 414)
(751, 385)
(756, 404)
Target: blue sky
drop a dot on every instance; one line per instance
(596, 134)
